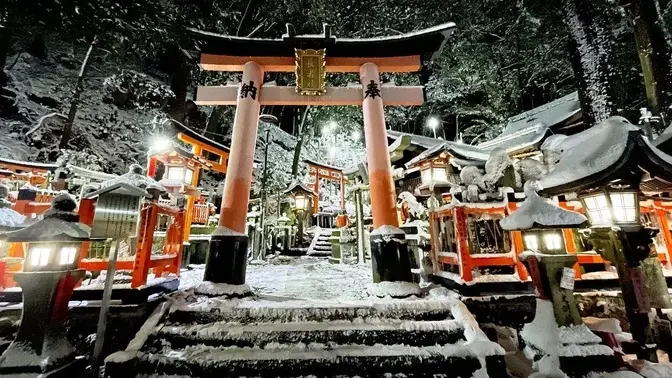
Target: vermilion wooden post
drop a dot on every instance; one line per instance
(518, 248)
(86, 214)
(665, 230)
(462, 234)
(389, 253)
(143, 256)
(227, 255)
(316, 189)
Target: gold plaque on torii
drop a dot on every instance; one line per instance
(310, 72)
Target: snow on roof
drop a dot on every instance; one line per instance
(30, 164)
(122, 188)
(418, 140)
(298, 185)
(592, 157)
(664, 139)
(456, 149)
(10, 218)
(101, 176)
(132, 178)
(590, 152)
(49, 229)
(529, 128)
(518, 141)
(549, 114)
(538, 212)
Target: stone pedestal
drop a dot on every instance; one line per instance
(335, 240)
(41, 344)
(546, 273)
(227, 257)
(389, 257)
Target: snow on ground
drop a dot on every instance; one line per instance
(304, 277)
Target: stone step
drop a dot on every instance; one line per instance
(319, 253)
(365, 332)
(282, 360)
(247, 312)
(322, 247)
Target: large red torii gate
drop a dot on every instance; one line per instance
(311, 57)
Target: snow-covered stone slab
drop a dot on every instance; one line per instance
(204, 309)
(397, 289)
(221, 289)
(357, 331)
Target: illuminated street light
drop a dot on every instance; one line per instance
(355, 135)
(433, 123)
(160, 143)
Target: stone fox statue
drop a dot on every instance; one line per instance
(426, 269)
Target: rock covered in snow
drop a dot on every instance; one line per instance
(531, 169)
(496, 165)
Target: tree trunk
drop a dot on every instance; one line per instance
(179, 84)
(299, 143)
(591, 26)
(74, 104)
(654, 46)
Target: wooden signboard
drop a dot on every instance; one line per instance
(310, 72)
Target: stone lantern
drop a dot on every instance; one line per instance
(608, 167)
(546, 259)
(47, 281)
(557, 326)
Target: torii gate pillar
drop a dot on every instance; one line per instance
(227, 256)
(389, 253)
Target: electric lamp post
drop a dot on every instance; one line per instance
(433, 123)
(300, 206)
(301, 195)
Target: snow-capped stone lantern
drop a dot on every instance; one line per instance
(546, 259)
(302, 197)
(557, 324)
(47, 281)
(609, 166)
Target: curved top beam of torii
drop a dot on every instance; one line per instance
(398, 53)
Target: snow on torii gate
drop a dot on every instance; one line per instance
(311, 57)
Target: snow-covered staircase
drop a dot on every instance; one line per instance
(263, 338)
(320, 246)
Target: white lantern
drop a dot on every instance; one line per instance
(300, 201)
(612, 207)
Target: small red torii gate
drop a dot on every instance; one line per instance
(318, 171)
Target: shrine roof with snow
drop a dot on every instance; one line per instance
(526, 131)
(612, 150)
(425, 43)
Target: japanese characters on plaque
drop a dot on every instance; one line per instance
(310, 72)
(116, 216)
